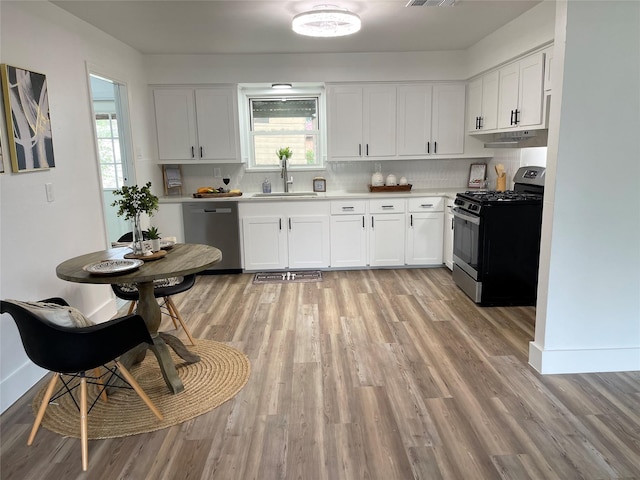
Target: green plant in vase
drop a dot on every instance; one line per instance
(154, 237)
(133, 202)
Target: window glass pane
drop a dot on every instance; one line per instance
(114, 125)
(105, 149)
(108, 176)
(103, 128)
(285, 122)
(303, 148)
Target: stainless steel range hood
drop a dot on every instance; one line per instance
(522, 139)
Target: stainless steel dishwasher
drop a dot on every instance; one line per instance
(215, 224)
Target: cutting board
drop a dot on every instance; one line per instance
(216, 195)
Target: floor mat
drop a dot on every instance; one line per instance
(288, 277)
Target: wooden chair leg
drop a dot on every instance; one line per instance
(171, 312)
(43, 406)
(103, 395)
(179, 317)
(129, 378)
(83, 422)
(132, 306)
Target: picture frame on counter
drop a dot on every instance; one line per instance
(172, 179)
(319, 184)
(477, 175)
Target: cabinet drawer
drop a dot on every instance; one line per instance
(390, 205)
(426, 204)
(347, 207)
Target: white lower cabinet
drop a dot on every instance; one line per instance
(265, 243)
(308, 241)
(296, 238)
(387, 232)
(424, 231)
(349, 231)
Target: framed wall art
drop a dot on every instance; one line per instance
(26, 104)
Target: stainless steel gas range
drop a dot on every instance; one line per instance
(497, 241)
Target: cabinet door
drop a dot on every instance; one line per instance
(386, 240)
(414, 119)
(169, 221)
(489, 120)
(379, 117)
(508, 95)
(531, 90)
(474, 105)
(175, 123)
(216, 121)
(308, 241)
(345, 122)
(424, 239)
(447, 131)
(348, 241)
(265, 243)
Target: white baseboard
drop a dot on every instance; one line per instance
(19, 382)
(584, 361)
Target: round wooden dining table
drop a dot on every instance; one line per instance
(182, 259)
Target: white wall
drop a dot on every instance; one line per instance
(529, 31)
(36, 235)
(588, 315)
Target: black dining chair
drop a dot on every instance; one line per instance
(73, 351)
(162, 289)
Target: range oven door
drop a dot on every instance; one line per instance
(466, 242)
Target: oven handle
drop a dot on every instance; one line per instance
(458, 213)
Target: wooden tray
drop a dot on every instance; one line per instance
(390, 188)
(216, 195)
(147, 258)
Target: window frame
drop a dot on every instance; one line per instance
(250, 92)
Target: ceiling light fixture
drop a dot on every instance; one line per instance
(326, 21)
(281, 86)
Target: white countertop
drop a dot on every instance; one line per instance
(337, 195)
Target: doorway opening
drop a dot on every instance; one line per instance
(113, 140)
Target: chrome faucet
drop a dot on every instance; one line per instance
(284, 174)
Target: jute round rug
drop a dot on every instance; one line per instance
(216, 378)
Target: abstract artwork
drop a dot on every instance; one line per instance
(26, 104)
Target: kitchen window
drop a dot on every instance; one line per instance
(278, 121)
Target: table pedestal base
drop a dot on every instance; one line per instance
(160, 350)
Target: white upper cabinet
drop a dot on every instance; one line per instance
(447, 130)
(414, 119)
(394, 121)
(482, 113)
(430, 120)
(361, 121)
(521, 93)
(197, 124)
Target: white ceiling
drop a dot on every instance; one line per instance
(264, 26)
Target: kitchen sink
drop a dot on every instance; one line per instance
(286, 194)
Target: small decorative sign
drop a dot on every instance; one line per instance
(477, 175)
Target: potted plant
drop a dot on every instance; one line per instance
(154, 237)
(133, 202)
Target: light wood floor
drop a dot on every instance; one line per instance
(379, 374)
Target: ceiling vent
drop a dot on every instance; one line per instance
(431, 3)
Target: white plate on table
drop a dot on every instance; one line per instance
(111, 267)
(166, 244)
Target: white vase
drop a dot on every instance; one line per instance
(155, 244)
